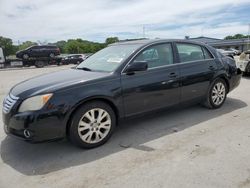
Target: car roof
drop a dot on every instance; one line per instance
(74, 54)
(155, 41)
(53, 46)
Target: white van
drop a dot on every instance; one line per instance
(2, 59)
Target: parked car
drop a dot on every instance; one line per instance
(39, 51)
(226, 53)
(74, 59)
(243, 62)
(2, 58)
(122, 80)
(236, 52)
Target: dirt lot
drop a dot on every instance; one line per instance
(192, 147)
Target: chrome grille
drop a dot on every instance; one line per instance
(9, 102)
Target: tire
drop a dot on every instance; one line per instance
(88, 132)
(217, 94)
(247, 70)
(39, 64)
(244, 73)
(25, 56)
(52, 55)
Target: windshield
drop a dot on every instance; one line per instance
(109, 58)
(29, 47)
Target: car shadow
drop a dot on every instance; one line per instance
(246, 76)
(38, 159)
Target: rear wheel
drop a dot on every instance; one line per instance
(92, 125)
(217, 94)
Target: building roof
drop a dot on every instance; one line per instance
(231, 42)
(205, 39)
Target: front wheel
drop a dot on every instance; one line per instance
(25, 56)
(217, 94)
(39, 64)
(51, 55)
(92, 125)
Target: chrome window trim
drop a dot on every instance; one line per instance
(174, 63)
(187, 62)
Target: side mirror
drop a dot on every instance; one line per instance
(136, 66)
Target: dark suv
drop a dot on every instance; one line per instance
(39, 51)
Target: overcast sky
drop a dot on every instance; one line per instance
(52, 20)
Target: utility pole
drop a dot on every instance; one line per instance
(248, 37)
(143, 31)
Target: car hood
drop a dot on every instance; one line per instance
(53, 81)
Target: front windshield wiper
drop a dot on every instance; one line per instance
(84, 68)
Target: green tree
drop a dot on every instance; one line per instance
(72, 46)
(111, 40)
(237, 36)
(7, 45)
(61, 45)
(229, 37)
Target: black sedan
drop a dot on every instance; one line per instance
(74, 59)
(122, 80)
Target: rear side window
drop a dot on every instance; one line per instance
(207, 54)
(192, 52)
(189, 52)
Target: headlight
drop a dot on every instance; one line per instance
(34, 103)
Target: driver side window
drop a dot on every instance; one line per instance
(156, 56)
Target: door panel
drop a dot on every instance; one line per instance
(35, 51)
(195, 78)
(155, 88)
(150, 90)
(197, 69)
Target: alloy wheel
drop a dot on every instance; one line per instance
(218, 93)
(94, 125)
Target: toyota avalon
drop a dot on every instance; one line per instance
(124, 79)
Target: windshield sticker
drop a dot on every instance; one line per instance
(115, 60)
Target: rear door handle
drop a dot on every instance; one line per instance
(172, 75)
(211, 67)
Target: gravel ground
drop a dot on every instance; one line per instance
(191, 147)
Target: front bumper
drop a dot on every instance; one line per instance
(42, 126)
